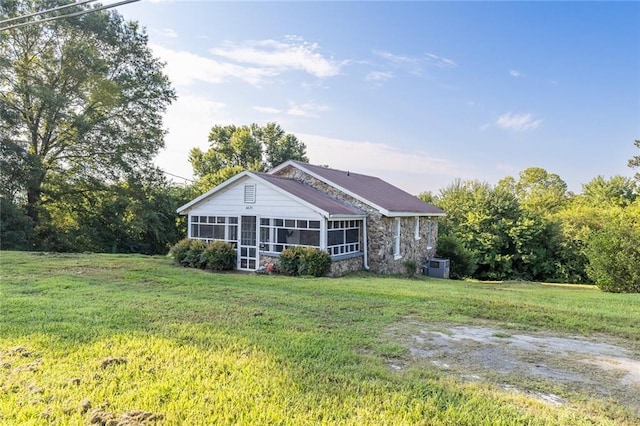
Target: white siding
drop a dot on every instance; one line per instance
(268, 203)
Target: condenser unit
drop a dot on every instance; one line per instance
(437, 268)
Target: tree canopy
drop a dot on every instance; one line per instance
(236, 148)
(83, 97)
(81, 111)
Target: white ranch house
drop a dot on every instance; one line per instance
(362, 221)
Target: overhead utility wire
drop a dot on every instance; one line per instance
(41, 12)
(180, 177)
(69, 15)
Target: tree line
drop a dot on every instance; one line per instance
(532, 228)
(81, 111)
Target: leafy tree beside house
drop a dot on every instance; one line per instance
(237, 148)
(82, 104)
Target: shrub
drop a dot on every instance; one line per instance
(314, 262)
(614, 255)
(194, 256)
(219, 256)
(179, 251)
(462, 260)
(289, 261)
(304, 261)
(411, 267)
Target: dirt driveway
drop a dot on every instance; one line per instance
(532, 363)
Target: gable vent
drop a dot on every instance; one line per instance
(249, 193)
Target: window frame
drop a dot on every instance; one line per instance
(396, 239)
(345, 247)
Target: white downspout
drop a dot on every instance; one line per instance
(366, 243)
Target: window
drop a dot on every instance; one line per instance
(250, 194)
(396, 239)
(278, 234)
(417, 229)
(210, 228)
(343, 236)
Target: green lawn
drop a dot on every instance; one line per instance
(88, 338)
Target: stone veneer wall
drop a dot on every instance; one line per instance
(381, 230)
(382, 244)
(338, 267)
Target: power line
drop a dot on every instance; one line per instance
(179, 177)
(69, 15)
(41, 12)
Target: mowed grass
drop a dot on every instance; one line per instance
(92, 338)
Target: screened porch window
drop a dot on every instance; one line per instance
(343, 236)
(208, 228)
(277, 234)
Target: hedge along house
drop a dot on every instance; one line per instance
(362, 221)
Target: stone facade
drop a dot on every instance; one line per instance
(380, 232)
(338, 267)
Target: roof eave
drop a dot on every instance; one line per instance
(413, 214)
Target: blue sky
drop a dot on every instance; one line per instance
(417, 93)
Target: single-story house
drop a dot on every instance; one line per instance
(362, 221)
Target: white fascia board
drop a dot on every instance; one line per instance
(346, 216)
(281, 166)
(185, 208)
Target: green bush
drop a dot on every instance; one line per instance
(194, 257)
(304, 261)
(219, 256)
(411, 267)
(462, 260)
(614, 256)
(314, 262)
(179, 251)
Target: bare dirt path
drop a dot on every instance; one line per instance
(532, 363)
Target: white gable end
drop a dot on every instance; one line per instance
(248, 196)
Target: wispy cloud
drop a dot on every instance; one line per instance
(379, 76)
(515, 73)
(267, 110)
(410, 170)
(167, 33)
(518, 122)
(396, 59)
(252, 61)
(307, 109)
(185, 68)
(440, 61)
(278, 56)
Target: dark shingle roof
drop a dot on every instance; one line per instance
(311, 195)
(373, 190)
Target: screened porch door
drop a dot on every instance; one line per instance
(248, 253)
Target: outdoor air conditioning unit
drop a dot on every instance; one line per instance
(437, 268)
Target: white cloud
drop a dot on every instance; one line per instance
(267, 110)
(396, 59)
(309, 109)
(441, 62)
(413, 172)
(185, 68)
(379, 76)
(515, 73)
(293, 54)
(167, 33)
(518, 122)
(189, 120)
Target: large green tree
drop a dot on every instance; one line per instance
(82, 97)
(236, 148)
